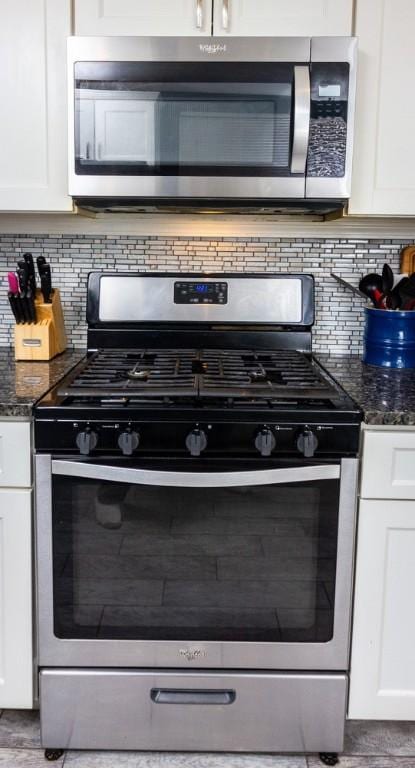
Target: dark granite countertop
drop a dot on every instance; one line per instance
(385, 396)
(22, 384)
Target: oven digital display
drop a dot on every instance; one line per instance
(200, 293)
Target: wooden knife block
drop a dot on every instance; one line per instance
(46, 338)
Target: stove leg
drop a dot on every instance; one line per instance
(329, 758)
(53, 754)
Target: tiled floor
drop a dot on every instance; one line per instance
(368, 745)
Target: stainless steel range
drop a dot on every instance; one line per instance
(196, 485)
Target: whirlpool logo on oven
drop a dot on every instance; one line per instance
(191, 654)
(212, 47)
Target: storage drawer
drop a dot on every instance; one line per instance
(388, 465)
(191, 711)
(15, 454)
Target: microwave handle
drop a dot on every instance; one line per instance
(301, 132)
(194, 479)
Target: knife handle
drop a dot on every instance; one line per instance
(28, 258)
(46, 283)
(13, 304)
(41, 262)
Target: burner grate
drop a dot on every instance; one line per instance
(274, 377)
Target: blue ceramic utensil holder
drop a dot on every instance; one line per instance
(389, 338)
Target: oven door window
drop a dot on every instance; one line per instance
(190, 119)
(228, 564)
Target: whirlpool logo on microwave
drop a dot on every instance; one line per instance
(191, 654)
(212, 47)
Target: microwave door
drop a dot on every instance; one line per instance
(217, 130)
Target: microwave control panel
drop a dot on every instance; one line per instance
(200, 292)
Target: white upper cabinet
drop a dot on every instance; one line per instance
(143, 17)
(33, 128)
(230, 17)
(283, 17)
(384, 157)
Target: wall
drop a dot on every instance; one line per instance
(339, 313)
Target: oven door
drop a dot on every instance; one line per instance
(159, 118)
(148, 564)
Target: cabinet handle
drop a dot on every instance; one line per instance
(99, 151)
(199, 14)
(225, 14)
(88, 151)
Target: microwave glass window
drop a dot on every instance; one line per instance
(182, 125)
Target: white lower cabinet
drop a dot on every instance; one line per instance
(16, 629)
(382, 675)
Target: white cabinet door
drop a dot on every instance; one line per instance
(143, 17)
(382, 680)
(33, 128)
(124, 130)
(16, 651)
(283, 17)
(389, 464)
(384, 157)
(15, 454)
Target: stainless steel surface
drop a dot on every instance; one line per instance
(195, 187)
(301, 119)
(337, 49)
(180, 49)
(332, 655)
(195, 479)
(284, 49)
(270, 713)
(225, 14)
(289, 49)
(252, 300)
(199, 14)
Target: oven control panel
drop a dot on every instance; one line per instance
(200, 292)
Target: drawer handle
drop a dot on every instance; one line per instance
(191, 696)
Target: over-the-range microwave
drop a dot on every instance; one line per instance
(222, 122)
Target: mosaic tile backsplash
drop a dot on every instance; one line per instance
(339, 313)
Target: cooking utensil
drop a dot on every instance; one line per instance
(349, 286)
(387, 279)
(407, 264)
(371, 286)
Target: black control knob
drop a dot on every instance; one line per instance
(86, 441)
(128, 441)
(307, 443)
(196, 442)
(265, 441)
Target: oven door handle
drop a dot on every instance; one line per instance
(194, 479)
(302, 96)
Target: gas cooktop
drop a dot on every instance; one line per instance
(239, 378)
(129, 377)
